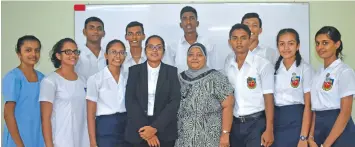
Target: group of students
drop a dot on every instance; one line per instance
(154, 96)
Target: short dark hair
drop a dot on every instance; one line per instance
(56, 49)
(22, 40)
(188, 9)
(239, 26)
(94, 19)
(155, 36)
(334, 35)
(135, 24)
(252, 15)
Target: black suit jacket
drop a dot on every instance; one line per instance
(166, 105)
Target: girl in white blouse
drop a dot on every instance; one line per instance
(62, 97)
(333, 88)
(106, 99)
(292, 92)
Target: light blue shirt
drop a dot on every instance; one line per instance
(16, 88)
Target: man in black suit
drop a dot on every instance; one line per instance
(152, 99)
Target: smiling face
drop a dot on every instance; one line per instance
(287, 45)
(29, 52)
(254, 26)
(69, 54)
(154, 50)
(189, 22)
(239, 41)
(196, 59)
(116, 55)
(135, 36)
(325, 47)
(94, 31)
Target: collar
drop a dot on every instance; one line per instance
(249, 59)
(108, 75)
(86, 51)
(183, 40)
(153, 69)
(258, 47)
(293, 66)
(333, 65)
(128, 50)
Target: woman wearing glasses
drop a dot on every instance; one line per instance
(106, 99)
(62, 99)
(152, 99)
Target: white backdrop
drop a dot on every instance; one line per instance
(215, 20)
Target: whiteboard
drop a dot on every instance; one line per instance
(216, 19)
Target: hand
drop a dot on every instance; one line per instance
(302, 143)
(325, 145)
(153, 141)
(147, 132)
(93, 145)
(311, 143)
(224, 140)
(267, 138)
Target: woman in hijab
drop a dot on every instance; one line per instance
(206, 108)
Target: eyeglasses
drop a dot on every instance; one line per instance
(115, 53)
(152, 47)
(70, 52)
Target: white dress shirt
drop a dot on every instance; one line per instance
(88, 64)
(268, 53)
(249, 96)
(68, 118)
(178, 53)
(292, 84)
(332, 84)
(153, 74)
(129, 61)
(109, 95)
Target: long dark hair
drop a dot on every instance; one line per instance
(57, 48)
(298, 55)
(333, 34)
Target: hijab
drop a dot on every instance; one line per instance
(192, 73)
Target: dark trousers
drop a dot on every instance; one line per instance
(162, 144)
(288, 125)
(324, 124)
(247, 134)
(110, 130)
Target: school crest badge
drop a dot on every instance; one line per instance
(251, 82)
(328, 83)
(295, 80)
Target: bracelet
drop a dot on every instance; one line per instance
(225, 132)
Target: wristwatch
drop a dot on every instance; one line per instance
(303, 138)
(225, 132)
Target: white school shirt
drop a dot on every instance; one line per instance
(153, 74)
(178, 53)
(249, 98)
(109, 95)
(292, 84)
(69, 122)
(129, 61)
(330, 85)
(268, 53)
(88, 64)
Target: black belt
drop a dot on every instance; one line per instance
(251, 117)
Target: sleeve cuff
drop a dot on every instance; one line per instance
(91, 98)
(348, 94)
(42, 99)
(306, 90)
(269, 91)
